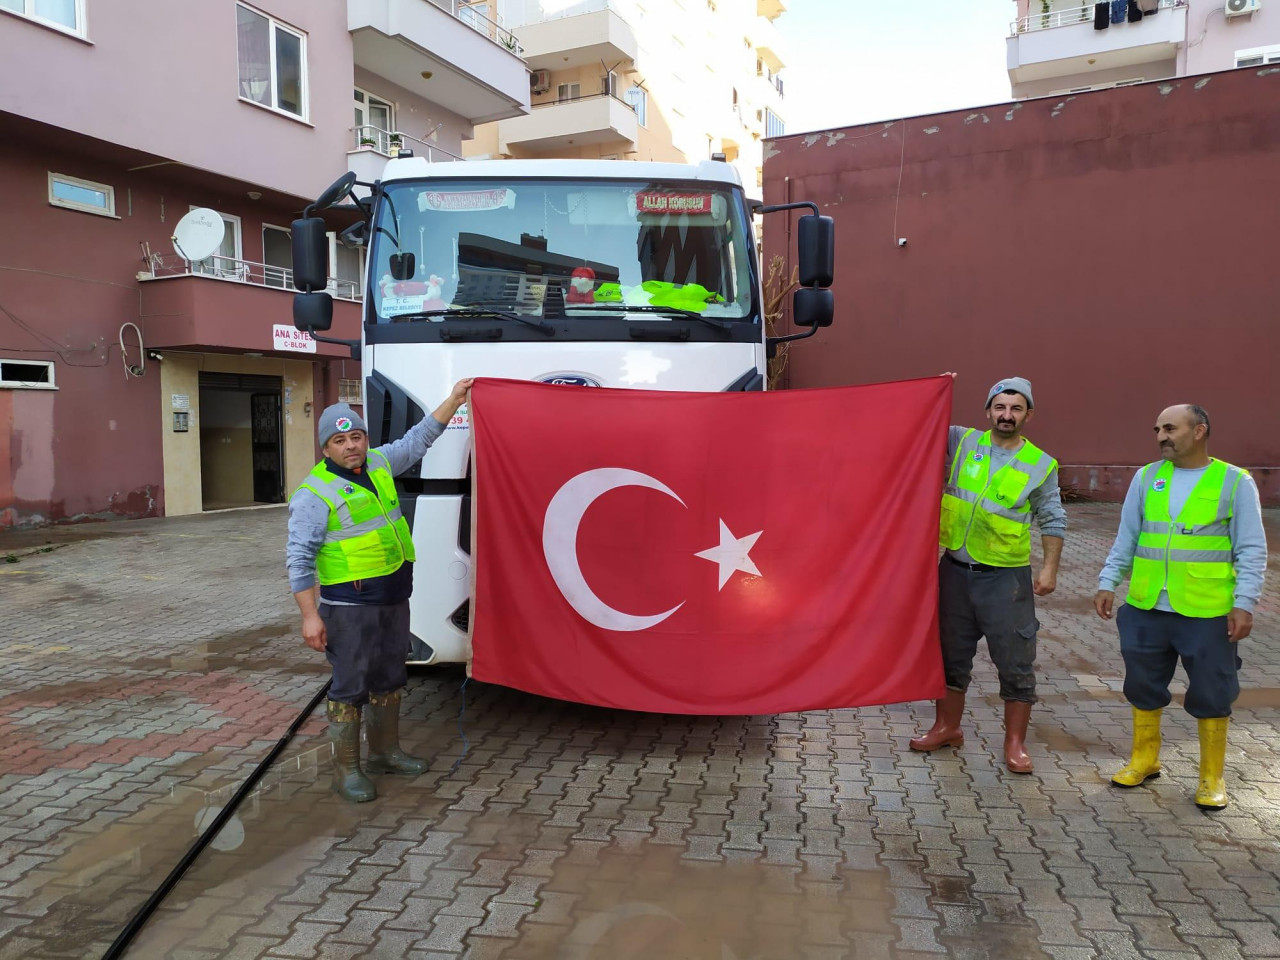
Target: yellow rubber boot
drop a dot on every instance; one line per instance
(1144, 762)
(1212, 794)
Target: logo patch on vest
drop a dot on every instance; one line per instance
(343, 424)
(1159, 485)
(977, 458)
(348, 489)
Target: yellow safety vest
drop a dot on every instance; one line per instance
(989, 515)
(367, 535)
(1190, 557)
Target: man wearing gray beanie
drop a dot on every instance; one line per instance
(346, 530)
(996, 483)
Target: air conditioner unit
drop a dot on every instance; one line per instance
(540, 81)
(1238, 8)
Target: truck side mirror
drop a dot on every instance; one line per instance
(313, 311)
(816, 243)
(401, 266)
(310, 254)
(813, 307)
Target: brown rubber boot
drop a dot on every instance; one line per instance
(349, 781)
(382, 717)
(945, 731)
(1017, 715)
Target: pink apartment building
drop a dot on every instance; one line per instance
(134, 382)
(1058, 47)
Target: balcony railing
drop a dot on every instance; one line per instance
(161, 265)
(369, 137)
(518, 13)
(590, 96)
(1070, 17)
(471, 15)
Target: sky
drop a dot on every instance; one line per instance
(858, 61)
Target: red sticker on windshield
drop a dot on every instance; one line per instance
(673, 202)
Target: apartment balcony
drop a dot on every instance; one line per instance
(570, 123)
(223, 303)
(372, 147)
(1064, 42)
(771, 9)
(568, 41)
(447, 51)
(764, 36)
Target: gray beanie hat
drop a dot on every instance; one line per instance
(1012, 385)
(339, 418)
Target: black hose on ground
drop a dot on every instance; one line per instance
(139, 919)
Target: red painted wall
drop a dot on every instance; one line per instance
(1118, 248)
(92, 449)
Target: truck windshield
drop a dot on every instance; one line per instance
(561, 250)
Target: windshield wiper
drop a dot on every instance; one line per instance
(649, 308)
(471, 313)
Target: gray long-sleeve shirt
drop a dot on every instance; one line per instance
(309, 515)
(1045, 501)
(1248, 539)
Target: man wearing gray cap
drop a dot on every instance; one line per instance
(347, 531)
(996, 483)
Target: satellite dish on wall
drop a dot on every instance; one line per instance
(199, 234)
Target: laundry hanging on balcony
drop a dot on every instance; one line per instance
(1118, 10)
(1148, 7)
(1102, 15)
(1135, 12)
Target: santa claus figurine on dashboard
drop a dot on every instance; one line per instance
(581, 286)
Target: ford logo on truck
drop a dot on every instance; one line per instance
(568, 380)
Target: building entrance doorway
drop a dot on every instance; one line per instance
(241, 440)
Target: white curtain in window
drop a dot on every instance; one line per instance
(254, 45)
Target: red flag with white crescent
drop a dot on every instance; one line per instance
(711, 553)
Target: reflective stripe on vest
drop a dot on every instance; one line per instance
(1189, 557)
(990, 514)
(367, 534)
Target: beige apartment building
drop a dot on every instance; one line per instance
(674, 80)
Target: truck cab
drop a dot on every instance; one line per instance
(588, 273)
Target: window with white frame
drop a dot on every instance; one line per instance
(83, 195)
(228, 261)
(277, 256)
(1258, 56)
(774, 126)
(26, 375)
(375, 121)
(65, 15)
(273, 61)
(346, 268)
(568, 91)
(638, 97)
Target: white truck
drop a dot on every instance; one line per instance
(597, 273)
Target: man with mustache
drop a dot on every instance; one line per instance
(996, 483)
(346, 530)
(1192, 543)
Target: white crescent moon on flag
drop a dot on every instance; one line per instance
(560, 544)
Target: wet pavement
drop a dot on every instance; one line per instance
(151, 664)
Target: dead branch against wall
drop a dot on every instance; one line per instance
(775, 295)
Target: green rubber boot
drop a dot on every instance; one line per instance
(349, 782)
(385, 755)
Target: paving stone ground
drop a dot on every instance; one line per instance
(150, 664)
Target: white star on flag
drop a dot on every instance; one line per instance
(732, 554)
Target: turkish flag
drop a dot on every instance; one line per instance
(713, 553)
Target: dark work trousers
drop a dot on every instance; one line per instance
(366, 644)
(996, 603)
(1151, 641)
